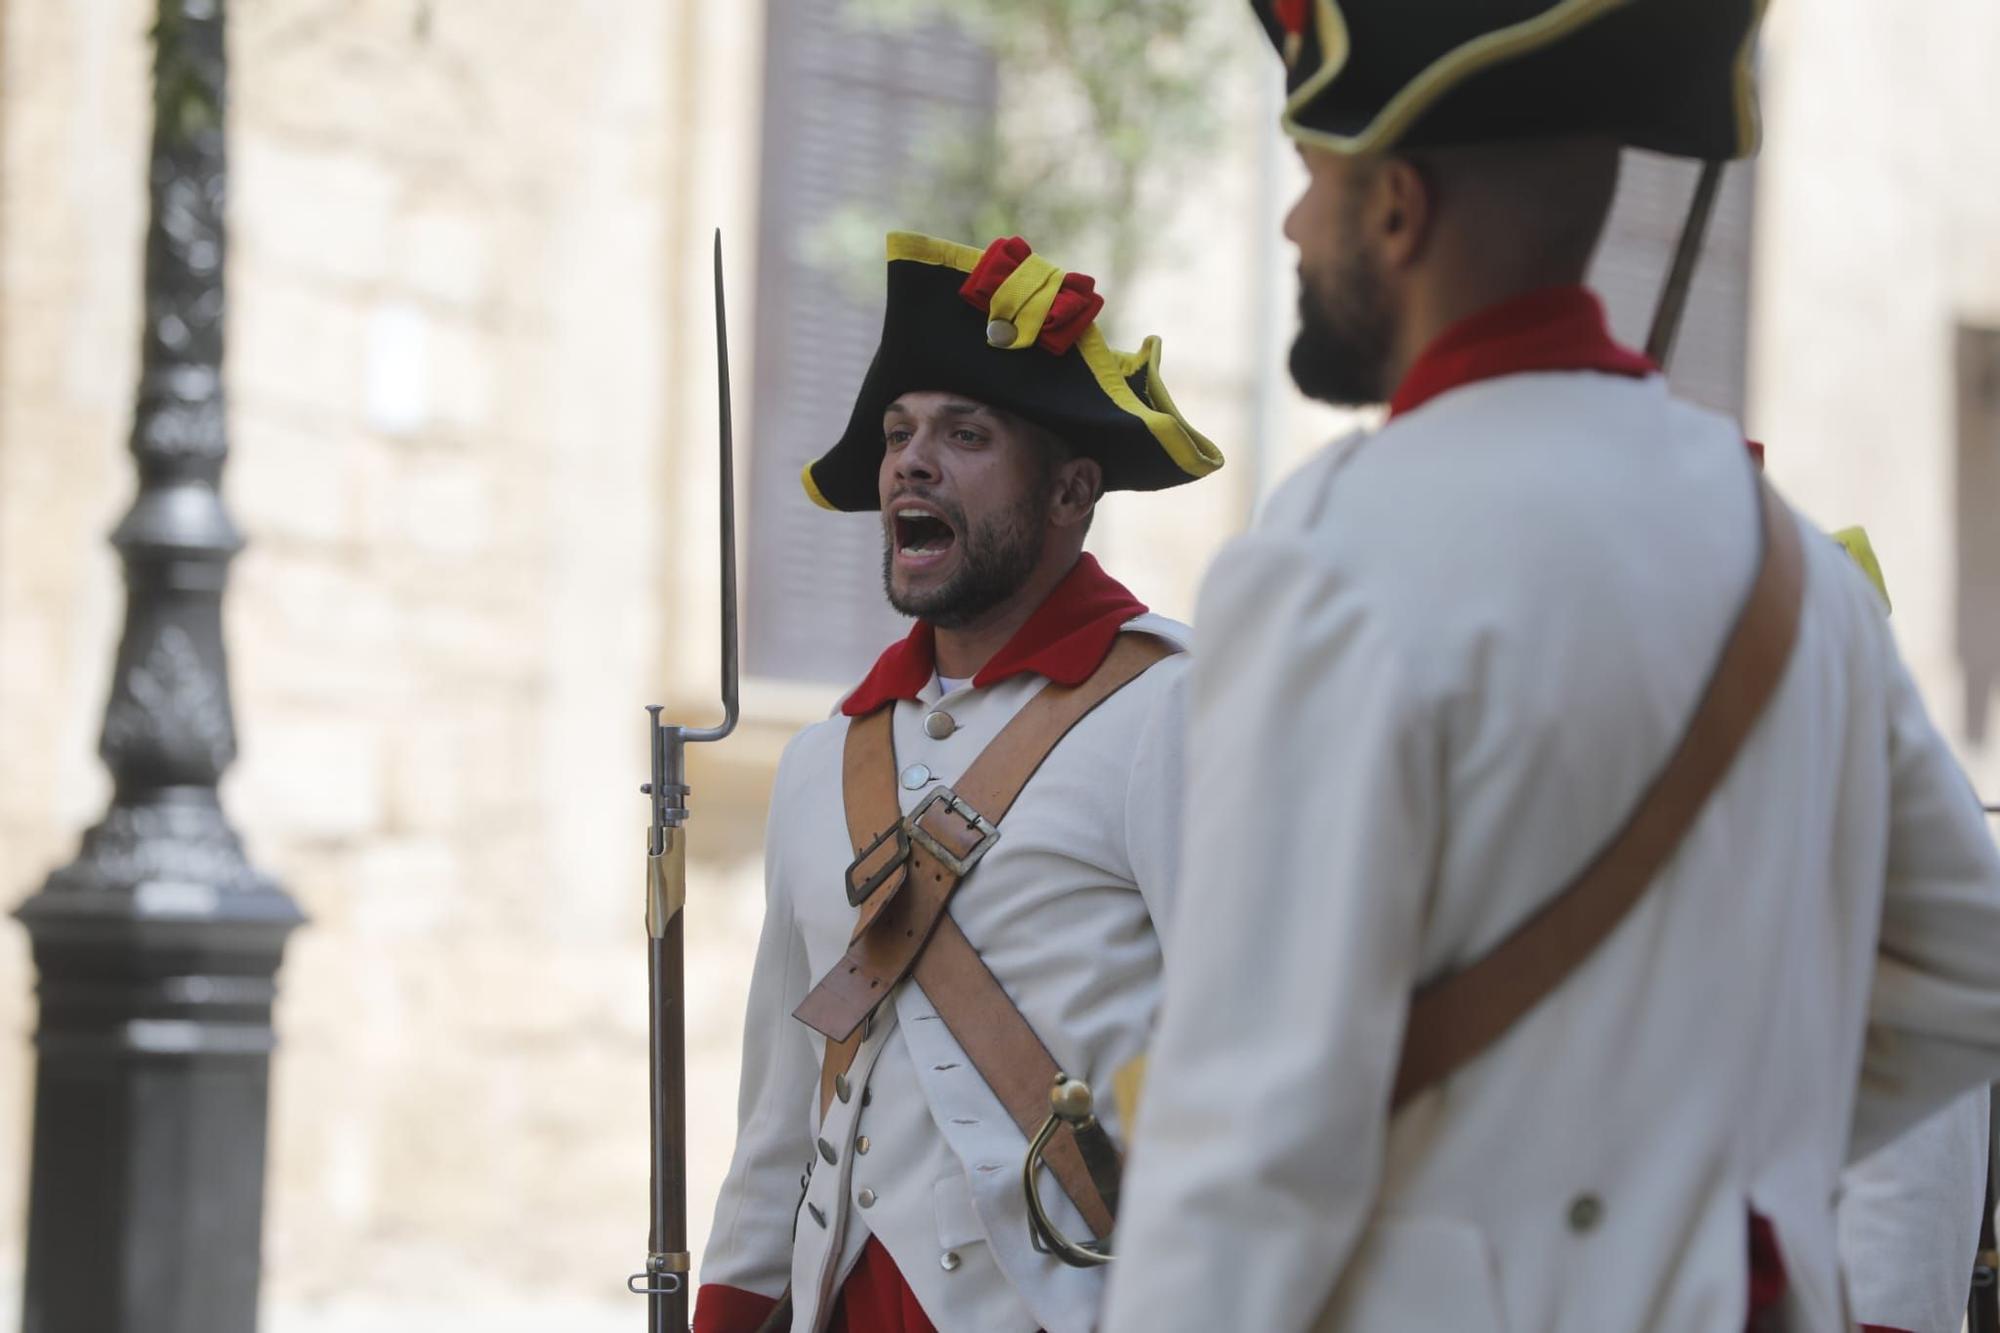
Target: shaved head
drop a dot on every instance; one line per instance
(1533, 210)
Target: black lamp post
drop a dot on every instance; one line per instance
(158, 947)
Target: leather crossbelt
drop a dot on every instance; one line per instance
(1454, 1019)
(902, 879)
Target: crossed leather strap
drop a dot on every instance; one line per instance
(903, 877)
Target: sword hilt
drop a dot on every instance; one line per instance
(1070, 1103)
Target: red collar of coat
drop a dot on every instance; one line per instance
(1551, 328)
(1065, 640)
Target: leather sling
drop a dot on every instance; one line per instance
(904, 928)
(1454, 1019)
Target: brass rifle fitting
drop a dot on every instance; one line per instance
(666, 881)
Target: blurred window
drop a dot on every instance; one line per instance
(847, 106)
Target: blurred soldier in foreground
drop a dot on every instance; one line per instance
(1017, 756)
(1909, 1213)
(1546, 890)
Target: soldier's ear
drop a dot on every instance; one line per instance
(1079, 486)
(1401, 208)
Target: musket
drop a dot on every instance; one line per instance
(1680, 276)
(668, 1275)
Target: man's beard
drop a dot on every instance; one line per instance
(1341, 355)
(995, 559)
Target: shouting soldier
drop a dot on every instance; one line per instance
(965, 865)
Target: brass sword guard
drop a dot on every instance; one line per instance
(1070, 1103)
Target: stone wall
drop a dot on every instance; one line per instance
(74, 116)
(459, 234)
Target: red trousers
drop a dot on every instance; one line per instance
(875, 1299)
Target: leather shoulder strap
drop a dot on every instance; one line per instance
(1004, 1048)
(905, 930)
(898, 918)
(1456, 1018)
(868, 793)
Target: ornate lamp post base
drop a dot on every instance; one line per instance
(146, 1201)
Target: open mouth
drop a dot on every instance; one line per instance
(922, 534)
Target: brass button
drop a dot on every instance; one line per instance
(861, 1145)
(842, 1088)
(867, 1096)
(915, 777)
(939, 724)
(1585, 1212)
(866, 1198)
(948, 1261)
(826, 1151)
(1001, 333)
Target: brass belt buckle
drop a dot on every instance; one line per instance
(960, 864)
(858, 894)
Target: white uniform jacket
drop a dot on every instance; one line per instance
(1909, 1221)
(1425, 689)
(924, 1157)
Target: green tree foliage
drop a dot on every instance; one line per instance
(1107, 111)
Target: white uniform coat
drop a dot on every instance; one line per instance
(1062, 909)
(1425, 689)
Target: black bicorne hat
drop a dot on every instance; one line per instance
(1368, 76)
(1011, 330)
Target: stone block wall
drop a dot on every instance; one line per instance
(457, 398)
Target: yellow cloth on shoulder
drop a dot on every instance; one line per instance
(1127, 1088)
(1855, 542)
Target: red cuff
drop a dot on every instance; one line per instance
(721, 1309)
(1882, 1328)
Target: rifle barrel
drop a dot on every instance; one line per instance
(1680, 278)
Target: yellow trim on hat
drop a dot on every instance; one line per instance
(1190, 450)
(1749, 123)
(1334, 45)
(922, 249)
(813, 491)
(1440, 77)
(1025, 299)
